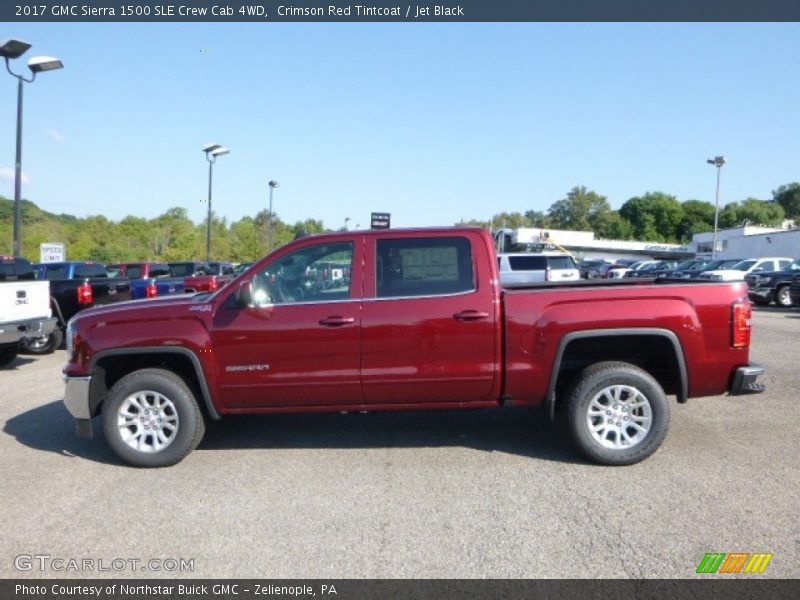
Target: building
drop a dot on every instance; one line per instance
(583, 245)
(748, 241)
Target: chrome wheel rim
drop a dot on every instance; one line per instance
(147, 421)
(619, 417)
(39, 343)
(783, 298)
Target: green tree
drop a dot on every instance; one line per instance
(655, 216)
(752, 211)
(788, 196)
(581, 210)
(698, 217)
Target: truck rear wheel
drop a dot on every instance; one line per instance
(618, 413)
(45, 344)
(151, 419)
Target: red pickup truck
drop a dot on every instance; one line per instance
(418, 320)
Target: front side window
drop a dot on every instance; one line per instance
(423, 267)
(320, 273)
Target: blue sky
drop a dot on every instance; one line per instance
(430, 122)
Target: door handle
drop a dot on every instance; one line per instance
(336, 321)
(470, 315)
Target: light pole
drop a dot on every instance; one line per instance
(346, 221)
(212, 152)
(272, 185)
(717, 161)
(38, 64)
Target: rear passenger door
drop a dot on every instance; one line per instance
(429, 321)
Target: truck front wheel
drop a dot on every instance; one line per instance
(618, 413)
(151, 419)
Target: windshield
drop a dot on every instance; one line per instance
(745, 265)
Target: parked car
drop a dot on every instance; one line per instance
(423, 324)
(709, 266)
(524, 268)
(241, 268)
(74, 286)
(750, 265)
(668, 271)
(589, 268)
(200, 276)
(25, 313)
(618, 271)
(765, 287)
(654, 269)
(220, 268)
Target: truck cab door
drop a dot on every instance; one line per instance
(430, 321)
(297, 343)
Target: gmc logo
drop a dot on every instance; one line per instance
(19, 301)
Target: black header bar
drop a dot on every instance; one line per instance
(408, 11)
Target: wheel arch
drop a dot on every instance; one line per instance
(109, 366)
(575, 352)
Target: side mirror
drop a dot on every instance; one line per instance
(244, 295)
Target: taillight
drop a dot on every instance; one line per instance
(152, 290)
(214, 284)
(741, 324)
(85, 294)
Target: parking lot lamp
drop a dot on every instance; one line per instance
(717, 161)
(272, 185)
(212, 152)
(11, 49)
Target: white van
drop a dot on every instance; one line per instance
(524, 268)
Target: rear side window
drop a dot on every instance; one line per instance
(133, 271)
(424, 267)
(159, 271)
(82, 271)
(55, 272)
(560, 262)
(527, 263)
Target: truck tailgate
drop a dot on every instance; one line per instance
(22, 300)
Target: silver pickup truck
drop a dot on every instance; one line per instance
(24, 310)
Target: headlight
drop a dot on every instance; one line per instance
(761, 280)
(717, 277)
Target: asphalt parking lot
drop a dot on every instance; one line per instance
(452, 495)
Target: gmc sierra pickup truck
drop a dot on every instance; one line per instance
(149, 280)
(421, 322)
(24, 307)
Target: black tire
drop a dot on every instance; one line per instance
(760, 302)
(177, 408)
(45, 344)
(607, 430)
(8, 354)
(782, 297)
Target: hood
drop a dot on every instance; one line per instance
(149, 307)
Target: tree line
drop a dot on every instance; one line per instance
(653, 216)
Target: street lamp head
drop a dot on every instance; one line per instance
(274, 184)
(40, 64)
(211, 147)
(717, 161)
(220, 151)
(13, 48)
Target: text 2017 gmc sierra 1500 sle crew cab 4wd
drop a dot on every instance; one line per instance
(421, 322)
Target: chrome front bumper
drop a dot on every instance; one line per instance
(76, 399)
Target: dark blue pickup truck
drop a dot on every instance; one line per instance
(76, 285)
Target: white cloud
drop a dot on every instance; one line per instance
(7, 174)
(56, 136)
